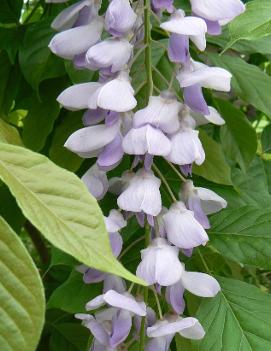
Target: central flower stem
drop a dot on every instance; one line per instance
(147, 42)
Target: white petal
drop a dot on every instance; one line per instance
(194, 332)
(146, 139)
(200, 284)
(161, 113)
(189, 25)
(183, 230)
(199, 41)
(86, 140)
(66, 18)
(117, 95)
(95, 303)
(113, 53)
(115, 221)
(125, 302)
(163, 328)
(78, 40)
(76, 97)
(96, 182)
(168, 268)
(186, 148)
(214, 117)
(208, 77)
(146, 268)
(210, 201)
(142, 194)
(217, 10)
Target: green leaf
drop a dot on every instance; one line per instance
(249, 82)
(10, 40)
(42, 114)
(237, 135)
(9, 209)
(73, 295)
(9, 134)
(254, 23)
(243, 235)
(183, 344)
(214, 167)
(63, 157)
(237, 319)
(10, 11)
(266, 139)
(59, 258)
(60, 207)
(21, 295)
(69, 337)
(78, 76)
(37, 62)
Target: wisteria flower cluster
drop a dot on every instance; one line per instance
(166, 127)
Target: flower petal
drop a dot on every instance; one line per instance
(121, 326)
(76, 97)
(112, 154)
(96, 181)
(193, 97)
(125, 302)
(116, 243)
(112, 282)
(82, 38)
(159, 344)
(117, 95)
(210, 201)
(115, 221)
(178, 48)
(89, 139)
(217, 10)
(200, 284)
(174, 296)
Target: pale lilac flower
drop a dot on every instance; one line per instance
(160, 264)
(89, 141)
(200, 284)
(163, 332)
(161, 112)
(96, 181)
(119, 18)
(115, 95)
(218, 10)
(184, 28)
(142, 194)
(146, 140)
(174, 296)
(182, 228)
(55, 1)
(202, 202)
(160, 5)
(186, 148)
(123, 301)
(112, 54)
(115, 221)
(75, 41)
(197, 76)
(73, 14)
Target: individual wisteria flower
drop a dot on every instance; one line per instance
(160, 264)
(81, 37)
(202, 202)
(162, 332)
(197, 75)
(161, 112)
(217, 13)
(119, 18)
(111, 326)
(112, 54)
(184, 28)
(142, 194)
(76, 15)
(160, 5)
(114, 95)
(186, 148)
(96, 182)
(182, 228)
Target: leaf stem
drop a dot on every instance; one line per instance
(176, 171)
(158, 303)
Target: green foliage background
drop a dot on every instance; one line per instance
(35, 168)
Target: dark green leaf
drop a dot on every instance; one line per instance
(266, 139)
(237, 135)
(243, 235)
(214, 167)
(238, 319)
(249, 81)
(73, 295)
(10, 11)
(69, 337)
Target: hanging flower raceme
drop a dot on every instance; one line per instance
(182, 29)
(166, 128)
